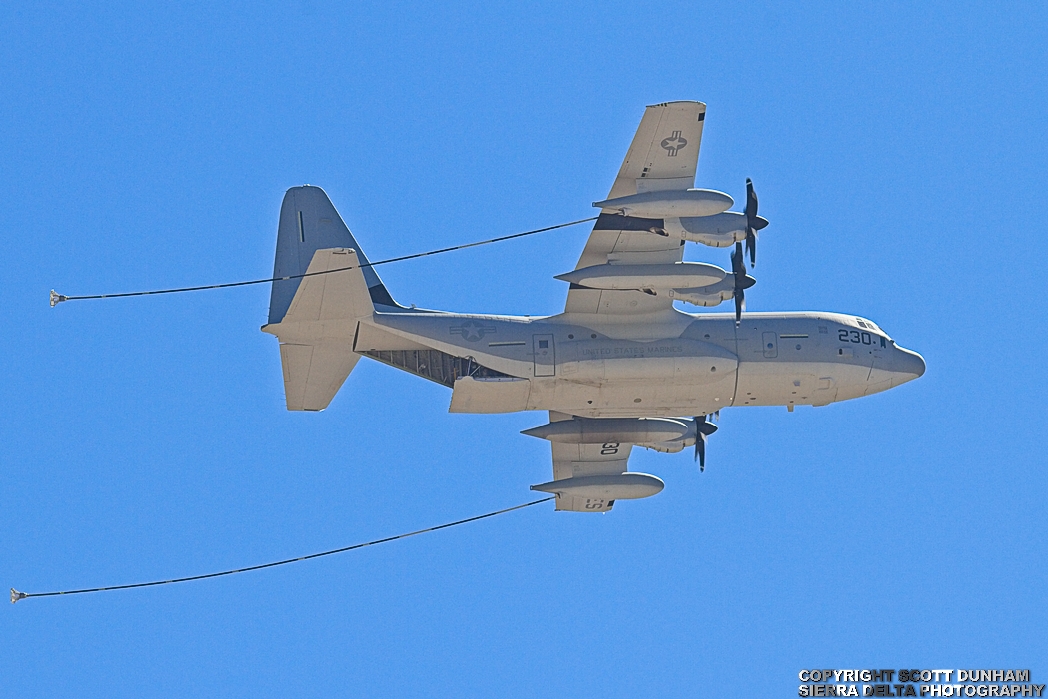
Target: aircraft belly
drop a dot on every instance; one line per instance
(664, 397)
(500, 395)
(880, 378)
(799, 383)
(777, 383)
(854, 381)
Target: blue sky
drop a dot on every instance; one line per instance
(899, 153)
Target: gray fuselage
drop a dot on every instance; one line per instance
(674, 364)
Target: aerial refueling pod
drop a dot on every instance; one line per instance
(660, 204)
(642, 430)
(675, 275)
(621, 486)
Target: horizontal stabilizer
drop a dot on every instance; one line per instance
(334, 289)
(316, 333)
(314, 373)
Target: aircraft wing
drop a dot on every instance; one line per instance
(573, 460)
(663, 156)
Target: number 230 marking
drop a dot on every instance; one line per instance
(855, 336)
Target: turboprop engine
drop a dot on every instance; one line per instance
(712, 295)
(721, 229)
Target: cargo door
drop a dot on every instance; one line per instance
(770, 345)
(545, 359)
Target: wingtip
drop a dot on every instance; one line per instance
(665, 104)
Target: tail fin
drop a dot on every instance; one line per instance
(315, 317)
(309, 222)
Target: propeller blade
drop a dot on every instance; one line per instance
(751, 200)
(738, 267)
(752, 224)
(703, 429)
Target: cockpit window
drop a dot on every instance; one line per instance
(867, 324)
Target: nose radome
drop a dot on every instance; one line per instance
(907, 363)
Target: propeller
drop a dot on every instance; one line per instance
(754, 222)
(703, 429)
(742, 281)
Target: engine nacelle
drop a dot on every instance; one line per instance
(670, 447)
(669, 203)
(719, 231)
(712, 295)
(676, 445)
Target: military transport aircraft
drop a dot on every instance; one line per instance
(621, 365)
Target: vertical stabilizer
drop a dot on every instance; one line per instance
(309, 222)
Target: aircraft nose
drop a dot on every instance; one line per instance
(909, 364)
